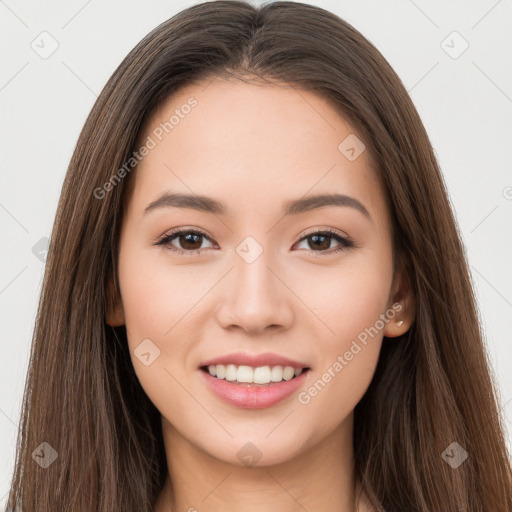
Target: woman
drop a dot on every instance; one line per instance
(255, 295)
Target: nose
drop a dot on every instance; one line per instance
(255, 297)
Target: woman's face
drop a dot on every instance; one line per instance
(267, 282)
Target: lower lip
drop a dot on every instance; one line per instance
(248, 396)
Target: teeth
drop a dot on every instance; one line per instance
(250, 375)
(245, 374)
(220, 371)
(231, 372)
(262, 375)
(277, 374)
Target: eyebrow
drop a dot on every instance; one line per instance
(292, 207)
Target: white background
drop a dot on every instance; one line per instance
(465, 104)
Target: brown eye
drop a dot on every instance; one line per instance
(188, 241)
(320, 241)
(191, 241)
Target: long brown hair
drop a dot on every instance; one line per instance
(432, 386)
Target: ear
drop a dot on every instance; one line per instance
(114, 314)
(403, 300)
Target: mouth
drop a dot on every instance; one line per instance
(254, 387)
(250, 376)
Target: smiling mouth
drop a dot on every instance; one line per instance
(253, 376)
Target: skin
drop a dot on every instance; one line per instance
(253, 146)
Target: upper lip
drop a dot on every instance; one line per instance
(255, 360)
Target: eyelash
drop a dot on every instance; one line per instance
(346, 242)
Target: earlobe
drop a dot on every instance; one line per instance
(402, 298)
(114, 314)
(401, 322)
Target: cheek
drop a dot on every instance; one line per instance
(353, 307)
(347, 299)
(346, 362)
(151, 308)
(152, 293)
(362, 300)
(154, 309)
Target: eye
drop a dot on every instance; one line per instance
(190, 241)
(322, 240)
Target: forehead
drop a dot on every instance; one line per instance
(252, 144)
